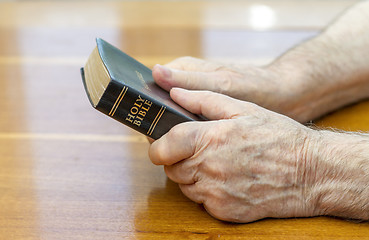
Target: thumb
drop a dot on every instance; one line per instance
(213, 106)
(167, 78)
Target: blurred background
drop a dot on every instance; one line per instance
(54, 39)
(242, 30)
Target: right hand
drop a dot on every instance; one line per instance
(259, 85)
(245, 164)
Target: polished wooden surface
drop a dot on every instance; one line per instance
(69, 172)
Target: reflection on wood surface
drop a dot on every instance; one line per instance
(69, 172)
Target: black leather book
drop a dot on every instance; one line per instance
(122, 88)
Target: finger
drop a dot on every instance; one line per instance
(168, 78)
(174, 146)
(192, 64)
(193, 192)
(211, 105)
(183, 172)
(201, 194)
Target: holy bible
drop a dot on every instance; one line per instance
(124, 89)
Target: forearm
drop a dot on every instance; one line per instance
(330, 70)
(339, 175)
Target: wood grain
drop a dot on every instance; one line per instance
(68, 172)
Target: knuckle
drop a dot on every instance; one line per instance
(178, 131)
(215, 209)
(225, 84)
(209, 96)
(186, 58)
(224, 211)
(181, 62)
(252, 106)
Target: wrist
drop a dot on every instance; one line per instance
(296, 84)
(338, 175)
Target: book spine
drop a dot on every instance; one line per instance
(139, 111)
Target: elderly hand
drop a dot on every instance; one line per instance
(246, 164)
(266, 86)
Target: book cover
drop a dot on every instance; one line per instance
(124, 89)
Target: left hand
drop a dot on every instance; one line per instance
(246, 164)
(270, 87)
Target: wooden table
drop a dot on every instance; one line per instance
(69, 172)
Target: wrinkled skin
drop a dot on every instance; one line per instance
(247, 163)
(268, 87)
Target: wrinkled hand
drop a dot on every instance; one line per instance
(260, 85)
(246, 164)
